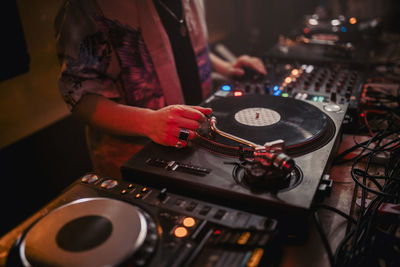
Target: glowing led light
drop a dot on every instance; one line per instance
(288, 79)
(226, 87)
(238, 93)
(335, 22)
(343, 29)
(189, 222)
(180, 232)
(295, 72)
(313, 21)
(362, 114)
(276, 88)
(285, 95)
(217, 232)
(353, 20)
(276, 93)
(309, 68)
(306, 30)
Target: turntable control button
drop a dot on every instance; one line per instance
(180, 202)
(109, 184)
(130, 186)
(205, 210)
(191, 206)
(163, 194)
(271, 224)
(220, 214)
(124, 191)
(89, 178)
(138, 196)
(332, 108)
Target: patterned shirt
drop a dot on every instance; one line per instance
(120, 50)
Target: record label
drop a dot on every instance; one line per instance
(257, 116)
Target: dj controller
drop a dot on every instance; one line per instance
(99, 221)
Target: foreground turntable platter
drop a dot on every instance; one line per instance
(265, 118)
(88, 232)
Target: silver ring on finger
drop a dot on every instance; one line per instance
(183, 135)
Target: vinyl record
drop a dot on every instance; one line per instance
(264, 118)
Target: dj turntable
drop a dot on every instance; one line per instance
(294, 139)
(105, 222)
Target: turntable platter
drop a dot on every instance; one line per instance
(87, 232)
(265, 118)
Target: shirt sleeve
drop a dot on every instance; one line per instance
(88, 62)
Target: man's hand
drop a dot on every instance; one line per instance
(245, 61)
(237, 68)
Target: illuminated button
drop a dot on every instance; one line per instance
(238, 93)
(145, 190)
(139, 196)
(295, 72)
(189, 222)
(180, 232)
(242, 240)
(90, 178)
(124, 191)
(130, 186)
(285, 94)
(353, 20)
(226, 87)
(109, 184)
(288, 79)
(255, 257)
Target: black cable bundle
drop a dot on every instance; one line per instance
(374, 236)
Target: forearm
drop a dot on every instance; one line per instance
(221, 66)
(162, 126)
(111, 117)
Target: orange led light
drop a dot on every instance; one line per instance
(353, 20)
(288, 80)
(295, 72)
(189, 222)
(180, 232)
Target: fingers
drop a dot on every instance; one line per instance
(194, 112)
(251, 62)
(176, 124)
